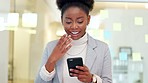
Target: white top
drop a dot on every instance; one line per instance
(78, 49)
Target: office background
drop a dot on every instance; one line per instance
(27, 25)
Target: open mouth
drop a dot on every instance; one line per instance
(74, 33)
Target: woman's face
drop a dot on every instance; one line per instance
(75, 21)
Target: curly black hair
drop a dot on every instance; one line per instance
(85, 5)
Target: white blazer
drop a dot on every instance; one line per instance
(98, 60)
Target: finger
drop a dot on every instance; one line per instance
(67, 42)
(83, 68)
(75, 71)
(82, 76)
(74, 74)
(79, 72)
(69, 36)
(61, 39)
(67, 48)
(67, 45)
(66, 38)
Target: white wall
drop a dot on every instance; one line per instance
(4, 44)
(44, 34)
(21, 54)
(28, 48)
(4, 52)
(4, 6)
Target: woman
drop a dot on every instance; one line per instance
(76, 43)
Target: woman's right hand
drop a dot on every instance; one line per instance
(63, 45)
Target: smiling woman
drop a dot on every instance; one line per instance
(75, 21)
(75, 43)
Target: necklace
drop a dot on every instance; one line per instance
(79, 52)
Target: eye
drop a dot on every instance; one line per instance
(80, 22)
(68, 22)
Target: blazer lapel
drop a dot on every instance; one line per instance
(91, 55)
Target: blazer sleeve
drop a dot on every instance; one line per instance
(107, 68)
(44, 59)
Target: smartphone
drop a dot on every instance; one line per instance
(73, 62)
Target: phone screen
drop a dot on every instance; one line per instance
(73, 62)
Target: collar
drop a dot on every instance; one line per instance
(80, 41)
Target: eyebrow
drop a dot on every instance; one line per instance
(68, 18)
(77, 18)
(80, 17)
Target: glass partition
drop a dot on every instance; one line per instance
(123, 26)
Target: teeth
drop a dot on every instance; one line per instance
(74, 32)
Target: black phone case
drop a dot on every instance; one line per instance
(73, 62)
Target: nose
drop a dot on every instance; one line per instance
(74, 25)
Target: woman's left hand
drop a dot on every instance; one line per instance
(83, 74)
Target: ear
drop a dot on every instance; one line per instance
(88, 19)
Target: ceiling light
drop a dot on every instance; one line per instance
(2, 26)
(13, 19)
(29, 20)
(146, 5)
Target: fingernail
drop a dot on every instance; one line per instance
(77, 66)
(70, 45)
(69, 36)
(70, 73)
(70, 39)
(71, 69)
